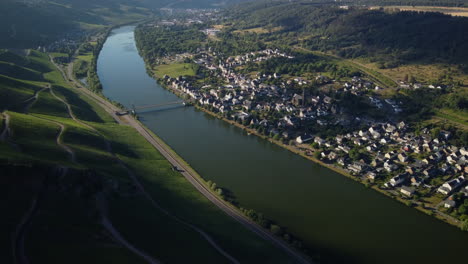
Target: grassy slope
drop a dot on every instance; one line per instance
(173, 192)
(19, 72)
(36, 138)
(14, 92)
(48, 105)
(151, 231)
(174, 70)
(13, 190)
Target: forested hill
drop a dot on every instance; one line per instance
(32, 23)
(28, 24)
(389, 37)
(460, 3)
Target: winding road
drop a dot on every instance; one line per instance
(191, 177)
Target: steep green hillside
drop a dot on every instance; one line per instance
(411, 2)
(64, 172)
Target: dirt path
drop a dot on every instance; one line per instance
(32, 100)
(19, 251)
(107, 224)
(59, 140)
(65, 147)
(6, 129)
(156, 205)
(6, 133)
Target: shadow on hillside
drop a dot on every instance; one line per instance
(82, 109)
(123, 149)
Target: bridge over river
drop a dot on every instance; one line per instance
(152, 106)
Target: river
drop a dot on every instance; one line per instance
(326, 210)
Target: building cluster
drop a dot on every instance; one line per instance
(186, 17)
(69, 41)
(241, 95)
(392, 153)
(401, 158)
(407, 85)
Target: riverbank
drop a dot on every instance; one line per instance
(192, 177)
(393, 194)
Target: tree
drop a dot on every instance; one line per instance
(463, 209)
(317, 154)
(435, 132)
(276, 230)
(354, 154)
(464, 226)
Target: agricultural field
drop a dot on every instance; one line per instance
(258, 30)
(174, 70)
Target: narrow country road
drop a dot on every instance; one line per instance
(164, 150)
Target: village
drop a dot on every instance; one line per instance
(387, 154)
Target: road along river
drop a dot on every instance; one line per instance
(327, 211)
